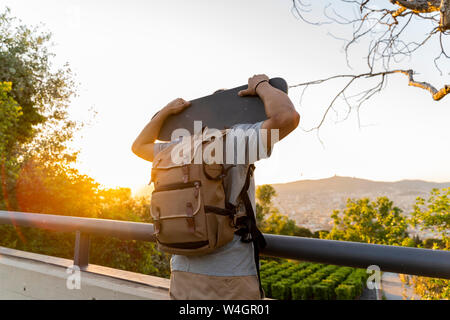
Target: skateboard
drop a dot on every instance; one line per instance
(220, 110)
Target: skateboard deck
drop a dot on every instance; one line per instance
(220, 111)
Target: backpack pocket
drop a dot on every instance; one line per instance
(179, 216)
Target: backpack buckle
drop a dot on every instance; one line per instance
(251, 169)
(197, 190)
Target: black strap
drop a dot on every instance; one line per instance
(220, 211)
(250, 231)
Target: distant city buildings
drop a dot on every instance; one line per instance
(311, 202)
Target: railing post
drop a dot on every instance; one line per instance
(81, 255)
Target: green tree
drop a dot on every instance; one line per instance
(37, 175)
(25, 60)
(264, 195)
(320, 234)
(269, 218)
(10, 113)
(47, 189)
(277, 223)
(433, 214)
(377, 222)
(43, 93)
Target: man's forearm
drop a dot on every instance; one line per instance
(281, 113)
(144, 143)
(275, 101)
(151, 131)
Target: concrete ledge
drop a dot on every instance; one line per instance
(26, 275)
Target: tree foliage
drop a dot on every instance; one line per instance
(10, 113)
(433, 214)
(264, 195)
(269, 218)
(43, 92)
(36, 162)
(52, 190)
(368, 221)
(380, 222)
(25, 60)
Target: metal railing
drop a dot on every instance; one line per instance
(415, 261)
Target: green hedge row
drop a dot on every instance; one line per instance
(323, 287)
(353, 286)
(302, 281)
(277, 279)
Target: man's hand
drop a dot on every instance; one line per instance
(252, 83)
(144, 143)
(176, 106)
(281, 114)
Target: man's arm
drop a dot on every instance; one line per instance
(280, 111)
(144, 144)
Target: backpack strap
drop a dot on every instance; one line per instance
(220, 211)
(250, 231)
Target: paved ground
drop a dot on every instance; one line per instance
(392, 288)
(368, 294)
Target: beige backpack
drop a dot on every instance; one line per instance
(188, 208)
(188, 202)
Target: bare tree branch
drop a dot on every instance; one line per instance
(389, 28)
(390, 39)
(419, 6)
(444, 23)
(437, 94)
(427, 6)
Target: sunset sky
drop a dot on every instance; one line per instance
(132, 57)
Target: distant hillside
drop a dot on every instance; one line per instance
(311, 202)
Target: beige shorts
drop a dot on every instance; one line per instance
(194, 286)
